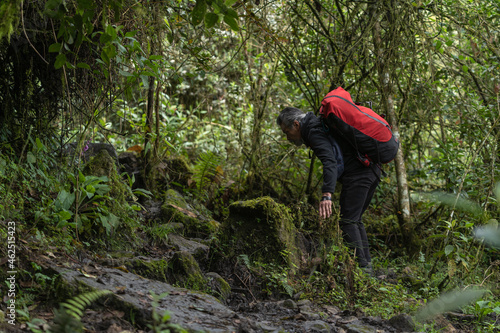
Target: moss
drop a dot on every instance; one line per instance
(175, 209)
(180, 171)
(263, 230)
(218, 287)
(151, 269)
(187, 271)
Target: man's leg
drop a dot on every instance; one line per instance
(357, 191)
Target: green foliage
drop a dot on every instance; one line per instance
(275, 278)
(87, 203)
(207, 171)
(68, 317)
(28, 181)
(221, 11)
(483, 308)
(10, 13)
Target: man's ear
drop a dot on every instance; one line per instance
(296, 123)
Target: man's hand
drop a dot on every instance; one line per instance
(325, 206)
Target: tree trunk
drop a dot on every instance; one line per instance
(385, 88)
(149, 125)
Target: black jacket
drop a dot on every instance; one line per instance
(314, 136)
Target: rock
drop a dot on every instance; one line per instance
(90, 149)
(264, 229)
(331, 310)
(347, 320)
(359, 327)
(157, 269)
(196, 224)
(267, 327)
(186, 271)
(311, 315)
(219, 287)
(402, 322)
(101, 164)
(305, 305)
(180, 171)
(443, 325)
(289, 304)
(157, 178)
(317, 326)
(182, 244)
(194, 311)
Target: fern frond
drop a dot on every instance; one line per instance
(68, 317)
(77, 305)
(206, 170)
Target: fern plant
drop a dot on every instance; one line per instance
(69, 315)
(206, 171)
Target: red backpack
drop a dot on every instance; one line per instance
(365, 130)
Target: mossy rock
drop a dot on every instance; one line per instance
(176, 209)
(182, 269)
(218, 287)
(180, 171)
(263, 230)
(187, 272)
(151, 269)
(102, 164)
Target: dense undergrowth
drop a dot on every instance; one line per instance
(58, 208)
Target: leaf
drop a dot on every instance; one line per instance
(198, 12)
(104, 57)
(185, 211)
(56, 47)
(60, 61)
(124, 73)
(131, 34)
(229, 3)
(110, 30)
(83, 65)
(231, 22)
(448, 249)
(30, 158)
(64, 200)
(81, 177)
(210, 20)
(64, 215)
(231, 13)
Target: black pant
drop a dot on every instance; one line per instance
(358, 187)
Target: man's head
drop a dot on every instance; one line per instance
(289, 121)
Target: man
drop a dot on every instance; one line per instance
(340, 163)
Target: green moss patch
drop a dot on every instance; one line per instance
(263, 230)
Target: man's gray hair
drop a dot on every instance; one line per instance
(288, 115)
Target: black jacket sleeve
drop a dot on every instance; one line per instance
(320, 143)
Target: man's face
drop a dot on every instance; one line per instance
(293, 133)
